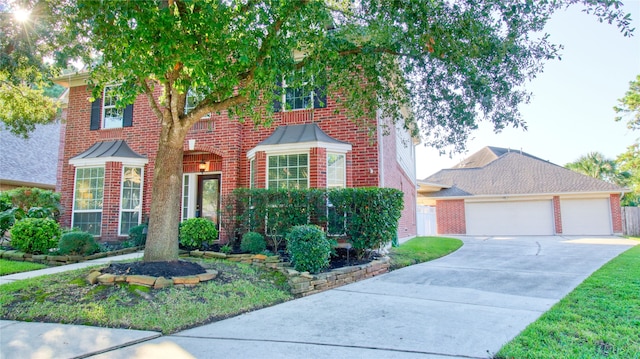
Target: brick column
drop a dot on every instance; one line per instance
(616, 213)
(261, 169)
(557, 214)
(450, 217)
(111, 201)
(318, 167)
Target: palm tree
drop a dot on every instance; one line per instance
(595, 165)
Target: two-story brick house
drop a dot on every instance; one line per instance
(109, 156)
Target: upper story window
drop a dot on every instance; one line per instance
(192, 100)
(299, 97)
(106, 114)
(112, 116)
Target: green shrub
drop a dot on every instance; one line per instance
(253, 242)
(35, 235)
(26, 198)
(308, 248)
(78, 243)
(371, 215)
(194, 232)
(138, 235)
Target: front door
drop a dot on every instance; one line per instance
(208, 203)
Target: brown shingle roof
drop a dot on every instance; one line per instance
(513, 173)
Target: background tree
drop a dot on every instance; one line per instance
(629, 105)
(629, 162)
(26, 98)
(453, 63)
(594, 164)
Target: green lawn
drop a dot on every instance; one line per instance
(67, 298)
(422, 249)
(599, 319)
(10, 267)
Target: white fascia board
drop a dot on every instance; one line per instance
(300, 147)
(72, 79)
(126, 161)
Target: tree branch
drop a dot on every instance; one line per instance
(152, 101)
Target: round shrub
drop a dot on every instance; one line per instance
(138, 235)
(308, 248)
(35, 235)
(253, 242)
(78, 243)
(194, 232)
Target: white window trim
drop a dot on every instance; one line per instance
(192, 178)
(73, 207)
(308, 153)
(121, 193)
(105, 107)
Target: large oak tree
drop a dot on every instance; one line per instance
(453, 62)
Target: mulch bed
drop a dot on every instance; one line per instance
(165, 269)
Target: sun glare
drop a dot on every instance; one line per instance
(22, 15)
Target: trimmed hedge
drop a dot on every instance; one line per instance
(253, 242)
(194, 232)
(78, 243)
(365, 217)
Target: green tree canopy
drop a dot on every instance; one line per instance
(24, 77)
(596, 165)
(629, 105)
(452, 63)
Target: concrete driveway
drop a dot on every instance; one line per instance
(465, 305)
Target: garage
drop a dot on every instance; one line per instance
(509, 218)
(586, 216)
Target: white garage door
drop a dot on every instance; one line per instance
(510, 218)
(586, 216)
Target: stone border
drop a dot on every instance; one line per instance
(54, 260)
(97, 277)
(304, 283)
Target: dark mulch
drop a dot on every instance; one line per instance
(156, 269)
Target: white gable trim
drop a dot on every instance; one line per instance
(100, 161)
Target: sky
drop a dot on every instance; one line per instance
(571, 110)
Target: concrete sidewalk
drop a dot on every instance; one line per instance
(465, 305)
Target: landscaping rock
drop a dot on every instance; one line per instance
(162, 282)
(106, 278)
(186, 280)
(145, 280)
(92, 278)
(211, 274)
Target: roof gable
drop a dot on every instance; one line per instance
(513, 173)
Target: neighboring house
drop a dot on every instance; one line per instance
(109, 159)
(498, 191)
(30, 162)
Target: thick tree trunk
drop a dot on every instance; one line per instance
(164, 219)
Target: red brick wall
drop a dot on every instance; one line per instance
(394, 176)
(450, 217)
(557, 214)
(224, 143)
(616, 213)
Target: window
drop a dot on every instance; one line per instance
(131, 199)
(112, 116)
(193, 98)
(87, 202)
(288, 171)
(185, 197)
(336, 170)
(301, 96)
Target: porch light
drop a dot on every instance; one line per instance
(202, 166)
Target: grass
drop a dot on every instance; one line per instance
(599, 319)
(11, 267)
(67, 298)
(422, 249)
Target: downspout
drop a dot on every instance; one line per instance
(380, 150)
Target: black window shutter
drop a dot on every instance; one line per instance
(277, 105)
(127, 117)
(95, 114)
(320, 97)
